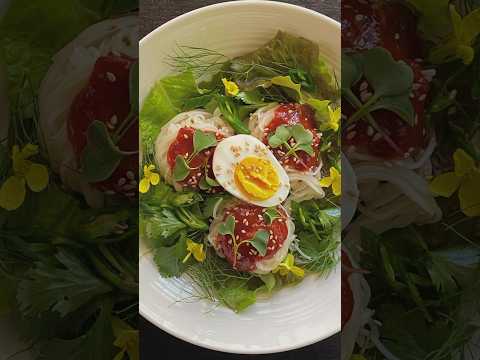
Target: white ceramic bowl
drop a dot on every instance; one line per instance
(294, 317)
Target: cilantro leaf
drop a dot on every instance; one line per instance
(163, 228)
(203, 140)
(169, 259)
(228, 227)
(63, 287)
(260, 241)
(181, 169)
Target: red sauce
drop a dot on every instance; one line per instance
(249, 219)
(183, 146)
(106, 98)
(347, 294)
(291, 114)
(370, 24)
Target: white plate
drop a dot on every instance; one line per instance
(296, 316)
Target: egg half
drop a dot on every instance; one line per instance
(248, 170)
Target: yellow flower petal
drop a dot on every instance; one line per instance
(469, 195)
(334, 116)
(29, 150)
(154, 178)
(12, 193)
(151, 167)
(463, 163)
(445, 184)
(230, 87)
(144, 185)
(337, 187)
(199, 254)
(326, 181)
(37, 177)
(297, 271)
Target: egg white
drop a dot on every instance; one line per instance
(231, 151)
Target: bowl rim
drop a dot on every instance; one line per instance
(144, 41)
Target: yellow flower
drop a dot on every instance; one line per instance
(465, 178)
(149, 177)
(334, 180)
(288, 266)
(196, 249)
(126, 339)
(13, 191)
(358, 357)
(230, 87)
(334, 118)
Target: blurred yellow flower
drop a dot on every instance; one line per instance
(13, 190)
(334, 118)
(230, 87)
(149, 177)
(334, 180)
(465, 178)
(288, 266)
(126, 339)
(197, 250)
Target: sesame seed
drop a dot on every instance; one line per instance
(121, 181)
(377, 136)
(370, 131)
(114, 120)
(423, 97)
(350, 135)
(111, 77)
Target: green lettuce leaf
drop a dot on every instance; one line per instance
(165, 100)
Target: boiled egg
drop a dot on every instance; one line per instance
(248, 170)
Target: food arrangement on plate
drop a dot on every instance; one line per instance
(69, 180)
(410, 130)
(241, 170)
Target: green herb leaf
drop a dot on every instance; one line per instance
(282, 134)
(307, 148)
(95, 344)
(303, 78)
(301, 135)
(169, 259)
(228, 227)
(164, 101)
(260, 241)
(197, 102)
(211, 182)
(387, 76)
(286, 82)
(163, 228)
(63, 287)
(252, 97)
(210, 204)
(321, 110)
(351, 71)
(269, 280)
(236, 295)
(101, 156)
(181, 169)
(230, 112)
(400, 105)
(270, 214)
(203, 185)
(203, 140)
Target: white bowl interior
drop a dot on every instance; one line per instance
(296, 316)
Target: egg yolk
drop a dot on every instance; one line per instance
(257, 178)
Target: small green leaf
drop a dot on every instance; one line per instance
(197, 102)
(181, 169)
(301, 135)
(387, 76)
(228, 227)
(211, 182)
(282, 134)
(260, 241)
(101, 156)
(270, 214)
(321, 110)
(203, 185)
(236, 294)
(286, 82)
(303, 78)
(400, 105)
(230, 112)
(269, 280)
(252, 97)
(307, 148)
(203, 140)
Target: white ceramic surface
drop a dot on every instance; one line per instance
(296, 316)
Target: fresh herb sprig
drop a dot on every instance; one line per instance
(201, 141)
(284, 134)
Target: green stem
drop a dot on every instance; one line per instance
(104, 271)
(363, 109)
